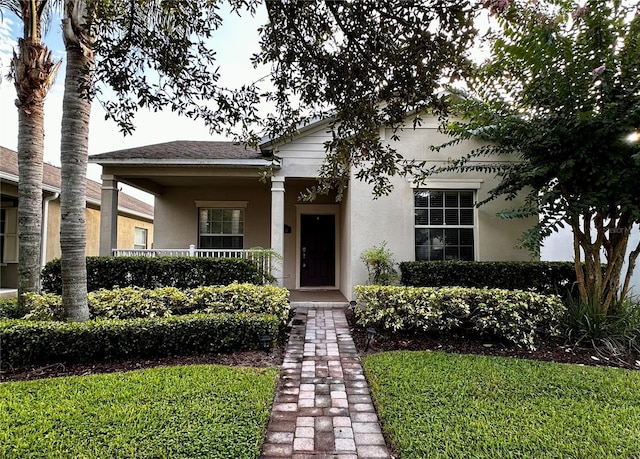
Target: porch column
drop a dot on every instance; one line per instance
(277, 227)
(108, 215)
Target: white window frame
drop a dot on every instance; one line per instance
(242, 209)
(136, 243)
(444, 226)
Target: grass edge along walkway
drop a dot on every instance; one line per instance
(193, 411)
(438, 405)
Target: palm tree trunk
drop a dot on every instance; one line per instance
(30, 158)
(33, 74)
(76, 110)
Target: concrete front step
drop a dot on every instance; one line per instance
(319, 304)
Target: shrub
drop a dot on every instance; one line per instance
(31, 342)
(380, 265)
(265, 299)
(612, 334)
(517, 316)
(135, 302)
(538, 276)
(46, 306)
(10, 309)
(148, 272)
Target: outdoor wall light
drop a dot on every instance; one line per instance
(266, 341)
(371, 332)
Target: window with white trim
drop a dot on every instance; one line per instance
(444, 224)
(140, 238)
(220, 228)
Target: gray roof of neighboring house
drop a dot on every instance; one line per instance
(51, 179)
(182, 151)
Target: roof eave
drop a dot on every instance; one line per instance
(235, 163)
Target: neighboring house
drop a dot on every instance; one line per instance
(134, 217)
(208, 194)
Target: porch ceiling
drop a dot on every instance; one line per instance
(157, 180)
(157, 184)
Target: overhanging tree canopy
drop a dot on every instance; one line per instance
(561, 92)
(364, 64)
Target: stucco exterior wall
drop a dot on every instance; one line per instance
(365, 221)
(126, 233)
(391, 218)
(126, 230)
(176, 214)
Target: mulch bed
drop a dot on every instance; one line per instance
(241, 358)
(553, 351)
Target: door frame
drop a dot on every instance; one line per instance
(318, 209)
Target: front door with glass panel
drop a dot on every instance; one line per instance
(317, 250)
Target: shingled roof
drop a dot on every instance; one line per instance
(51, 179)
(182, 150)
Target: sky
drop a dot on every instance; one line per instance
(237, 39)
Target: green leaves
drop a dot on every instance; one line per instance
(558, 98)
(160, 55)
(364, 64)
(519, 317)
(30, 342)
(380, 265)
(538, 276)
(150, 272)
(136, 302)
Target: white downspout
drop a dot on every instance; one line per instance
(43, 230)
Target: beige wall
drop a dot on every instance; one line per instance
(391, 218)
(126, 233)
(176, 214)
(126, 225)
(366, 221)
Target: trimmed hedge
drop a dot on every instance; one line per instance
(149, 272)
(520, 317)
(538, 276)
(26, 342)
(9, 309)
(135, 302)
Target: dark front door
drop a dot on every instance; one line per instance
(317, 250)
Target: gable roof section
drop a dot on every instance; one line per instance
(184, 152)
(267, 144)
(52, 181)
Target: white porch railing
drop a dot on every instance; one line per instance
(261, 256)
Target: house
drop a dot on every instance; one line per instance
(208, 194)
(134, 217)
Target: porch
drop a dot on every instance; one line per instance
(262, 257)
(209, 194)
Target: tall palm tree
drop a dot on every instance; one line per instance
(74, 150)
(135, 36)
(33, 72)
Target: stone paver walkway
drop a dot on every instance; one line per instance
(323, 409)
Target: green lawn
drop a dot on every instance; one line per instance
(436, 405)
(203, 411)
